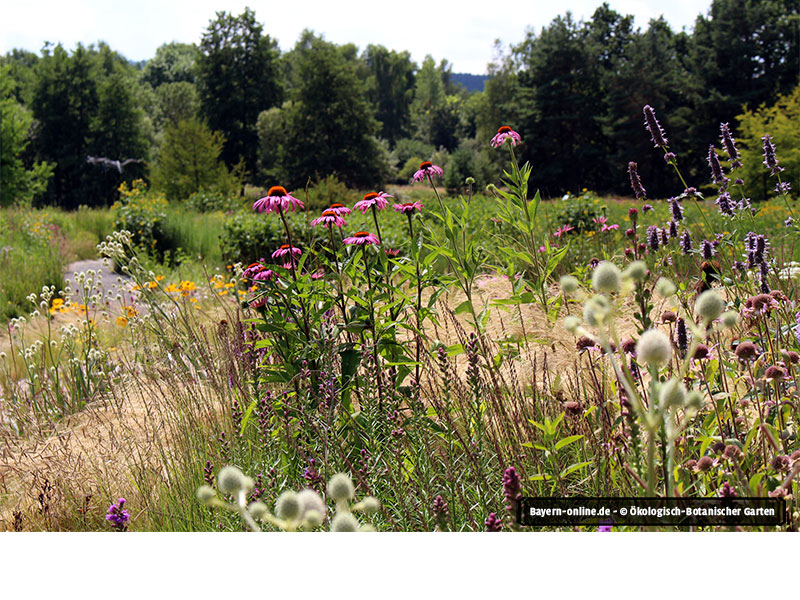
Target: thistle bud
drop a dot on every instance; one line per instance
(258, 509)
(230, 480)
(672, 394)
(568, 284)
(606, 277)
(665, 288)
(344, 522)
(288, 506)
(653, 347)
(205, 494)
(637, 270)
(709, 305)
(340, 488)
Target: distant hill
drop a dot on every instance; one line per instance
(473, 83)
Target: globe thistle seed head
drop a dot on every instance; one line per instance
(672, 394)
(344, 522)
(637, 270)
(572, 323)
(258, 510)
(370, 505)
(310, 500)
(287, 506)
(665, 288)
(230, 480)
(709, 305)
(606, 277)
(654, 347)
(595, 311)
(568, 284)
(340, 488)
(729, 319)
(205, 494)
(312, 519)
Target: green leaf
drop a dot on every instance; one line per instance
(576, 467)
(567, 441)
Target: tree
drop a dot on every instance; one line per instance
(237, 79)
(17, 184)
(189, 161)
(330, 123)
(172, 63)
(391, 88)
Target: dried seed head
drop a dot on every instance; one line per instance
(606, 277)
(344, 522)
(653, 347)
(709, 305)
(287, 506)
(230, 480)
(340, 488)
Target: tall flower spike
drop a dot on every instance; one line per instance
(770, 160)
(653, 126)
(716, 168)
(636, 182)
(730, 146)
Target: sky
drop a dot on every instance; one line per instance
(462, 32)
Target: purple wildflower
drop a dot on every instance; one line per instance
(427, 169)
(730, 146)
(770, 160)
(362, 238)
(493, 523)
(724, 204)
(505, 133)
(676, 209)
(716, 168)
(646, 208)
(708, 250)
(653, 126)
(118, 516)
(652, 237)
(636, 182)
(686, 242)
(512, 489)
(673, 229)
(783, 188)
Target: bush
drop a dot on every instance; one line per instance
(580, 211)
(143, 213)
(248, 236)
(207, 201)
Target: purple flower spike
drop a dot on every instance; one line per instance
(653, 126)
(493, 523)
(636, 182)
(716, 168)
(770, 160)
(118, 516)
(730, 146)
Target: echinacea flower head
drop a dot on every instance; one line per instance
(265, 275)
(408, 208)
(564, 229)
(277, 200)
(327, 218)
(362, 238)
(379, 200)
(286, 249)
(427, 169)
(505, 133)
(339, 209)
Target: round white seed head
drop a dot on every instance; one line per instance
(311, 501)
(568, 284)
(230, 480)
(654, 347)
(730, 319)
(205, 494)
(288, 506)
(595, 311)
(637, 270)
(344, 522)
(340, 487)
(370, 505)
(665, 288)
(695, 400)
(606, 277)
(572, 323)
(672, 394)
(709, 305)
(259, 510)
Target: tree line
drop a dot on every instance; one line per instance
(234, 109)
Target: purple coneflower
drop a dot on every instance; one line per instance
(653, 126)
(427, 169)
(265, 275)
(563, 230)
(408, 208)
(286, 249)
(379, 200)
(505, 133)
(327, 218)
(339, 209)
(277, 199)
(362, 238)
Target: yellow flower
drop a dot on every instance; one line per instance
(57, 302)
(152, 284)
(159, 277)
(130, 311)
(122, 321)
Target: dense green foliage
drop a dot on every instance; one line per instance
(574, 90)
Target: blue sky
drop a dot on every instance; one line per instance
(462, 32)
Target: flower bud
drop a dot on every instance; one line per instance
(672, 394)
(730, 319)
(259, 510)
(205, 494)
(370, 505)
(572, 323)
(695, 400)
(606, 277)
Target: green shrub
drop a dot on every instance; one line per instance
(580, 211)
(207, 201)
(327, 191)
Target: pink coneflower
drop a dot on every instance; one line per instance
(286, 249)
(328, 218)
(265, 275)
(562, 230)
(252, 270)
(277, 199)
(408, 208)
(378, 200)
(339, 209)
(427, 169)
(503, 134)
(318, 274)
(392, 252)
(361, 238)
(600, 220)
(609, 228)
